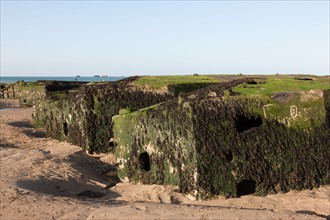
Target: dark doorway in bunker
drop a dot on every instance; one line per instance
(65, 128)
(144, 161)
(229, 155)
(244, 123)
(246, 187)
(252, 82)
(111, 143)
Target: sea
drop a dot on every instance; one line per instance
(14, 79)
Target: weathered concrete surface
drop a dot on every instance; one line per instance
(206, 142)
(83, 117)
(31, 93)
(209, 145)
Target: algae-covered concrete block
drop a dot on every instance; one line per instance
(209, 145)
(157, 145)
(234, 138)
(84, 116)
(31, 93)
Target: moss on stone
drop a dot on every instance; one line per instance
(92, 107)
(204, 142)
(221, 146)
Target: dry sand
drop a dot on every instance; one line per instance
(41, 178)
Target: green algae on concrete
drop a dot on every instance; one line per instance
(31, 93)
(209, 145)
(291, 100)
(215, 141)
(154, 133)
(91, 108)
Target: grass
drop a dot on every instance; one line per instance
(281, 84)
(310, 113)
(159, 82)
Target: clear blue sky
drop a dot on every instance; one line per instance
(68, 38)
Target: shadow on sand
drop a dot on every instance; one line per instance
(6, 144)
(21, 124)
(307, 212)
(28, 129)
(35, 134)
(77, 176)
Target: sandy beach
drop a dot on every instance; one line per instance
(42, 178)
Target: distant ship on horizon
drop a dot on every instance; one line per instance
(100, 76)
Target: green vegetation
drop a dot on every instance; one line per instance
(159, 82)
(269, 85)
(294, 97)
(155, 131)
(204, 142)
(124, 111)
(199, 147)
(212, 145)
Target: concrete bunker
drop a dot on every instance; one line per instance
(89, 107)
(222, 158)
(233, 164)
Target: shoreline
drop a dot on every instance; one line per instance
(14, 79)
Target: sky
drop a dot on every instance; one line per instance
(123, 38)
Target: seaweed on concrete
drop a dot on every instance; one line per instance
(209, 145)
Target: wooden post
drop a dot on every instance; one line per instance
(12, 87)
